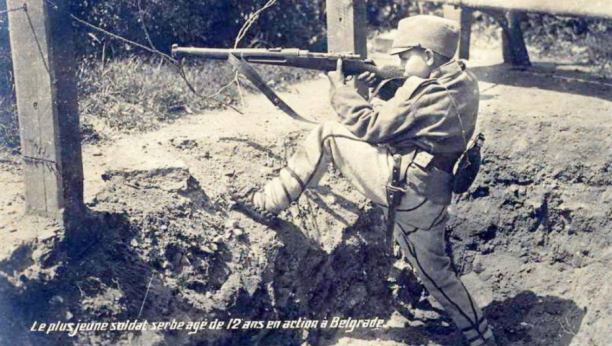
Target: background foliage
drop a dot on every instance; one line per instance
(203, 22)
(217, 22)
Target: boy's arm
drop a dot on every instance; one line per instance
(376, 125)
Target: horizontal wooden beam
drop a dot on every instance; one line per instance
(587, 8)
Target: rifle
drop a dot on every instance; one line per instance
(388, 78)
(352, 64)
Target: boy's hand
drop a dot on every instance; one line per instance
(336, 78)
(369, 78)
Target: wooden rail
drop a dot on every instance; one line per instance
(586, 8)
(509, 13)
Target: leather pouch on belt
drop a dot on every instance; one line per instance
(439, 189)
(418, 179)
(432, 183)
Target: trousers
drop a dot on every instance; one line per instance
(419, 225)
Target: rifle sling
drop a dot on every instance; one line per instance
(254, 77)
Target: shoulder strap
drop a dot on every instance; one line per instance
(456, 108)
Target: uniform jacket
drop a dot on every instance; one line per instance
(423, 112)
(436, 115)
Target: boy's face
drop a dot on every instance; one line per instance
(417, 62)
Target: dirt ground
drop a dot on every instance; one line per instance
(532, 239)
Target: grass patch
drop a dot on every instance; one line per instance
(9, 127)
(139, 94)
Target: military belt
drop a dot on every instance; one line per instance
(444, 162)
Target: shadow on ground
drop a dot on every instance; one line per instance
(103, 274)
(72, 271)
(524, 320)
(529, 319)
(310, 283)
(546, 76)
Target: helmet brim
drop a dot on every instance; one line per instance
(399, 50)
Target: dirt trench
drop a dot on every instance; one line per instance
(156, 234)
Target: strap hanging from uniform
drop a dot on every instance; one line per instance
(394, 197)
(252, 75)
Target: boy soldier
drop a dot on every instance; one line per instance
(400, 155)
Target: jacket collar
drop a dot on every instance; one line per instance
(450, 68)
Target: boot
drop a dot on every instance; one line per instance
(491, 342)
(243, 199)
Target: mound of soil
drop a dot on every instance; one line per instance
(157, 248)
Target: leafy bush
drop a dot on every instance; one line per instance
(385, 14)
(9, 125)
(9, 128)
(578, 37)
(214, 23)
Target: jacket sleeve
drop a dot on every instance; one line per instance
(376, 125)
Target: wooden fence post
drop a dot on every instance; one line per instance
(463, 15)
(45, 83)
(347, 30)
(513, 43)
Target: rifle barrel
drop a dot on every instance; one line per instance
(223, 54)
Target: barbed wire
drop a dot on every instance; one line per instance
(123, 39)
(181, 71)
(153, 50)
(250, 21)
(20, 8)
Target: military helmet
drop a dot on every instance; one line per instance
(439, 34)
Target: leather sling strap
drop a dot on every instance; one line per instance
(252, 75)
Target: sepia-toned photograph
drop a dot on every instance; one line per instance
(306, 172)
